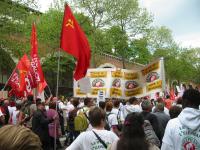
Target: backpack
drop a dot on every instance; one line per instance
(81, 122)
(107, 126)
(70, 119)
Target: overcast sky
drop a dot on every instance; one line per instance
(181, 16)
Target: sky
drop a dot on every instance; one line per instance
(182, 17)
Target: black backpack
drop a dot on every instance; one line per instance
(107, 126)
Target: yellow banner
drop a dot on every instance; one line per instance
(78, 92)
(133, 92)
(117, 74)
(154, 85)
(95, 90)
(130, 76)
(115, 92)
(150, 68)
(99, 74)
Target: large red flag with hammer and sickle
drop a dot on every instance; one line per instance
(74, 42)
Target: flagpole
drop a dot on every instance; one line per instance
(49, 89)
(8, 80)
(57, 86)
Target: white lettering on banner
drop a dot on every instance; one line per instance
(15, 79)
(34, 64)
(28, 85)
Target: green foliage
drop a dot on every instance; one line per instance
(119, 40)
(6, 62)
(130, 17)
(160, 38)
(50, 68)
(139, 51)
(119, 25)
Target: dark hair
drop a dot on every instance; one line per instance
(174, 111)
(30, 98)
(190, 86)
(96, 115)
(179, 100)
(116, 103)
(133, 136)
(109, 106)
(160, 100)
(38, 102)
(52, 105)
(146, 105)
(18, 106)
(75, 102)
(102, 104)
(159, 107)
(87, 101)
(191, 98)
(132, 100)
(167, 96)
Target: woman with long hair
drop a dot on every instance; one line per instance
(133, 136)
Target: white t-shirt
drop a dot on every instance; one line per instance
(88, 141)
(11, 109)
(112, 119)
(118, 113)
(115, 111)
(15, 116)
(1, 114)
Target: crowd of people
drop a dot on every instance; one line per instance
(114, 124)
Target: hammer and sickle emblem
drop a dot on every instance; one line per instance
(70, 23)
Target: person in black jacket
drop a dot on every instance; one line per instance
(40, 125)
(147, 108)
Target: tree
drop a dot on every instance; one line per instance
(160, 38)
(118, 39)
(12, 21)
(139, 51)
(126, 15)
(130, 17)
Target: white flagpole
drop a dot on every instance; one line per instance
(57, 85)
(49, 89)
(163, 75)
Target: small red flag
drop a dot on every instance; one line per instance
(23, 66)
(74, 42)
(14, 80)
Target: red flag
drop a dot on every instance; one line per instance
(13, 82)
(74, 42)
(23, 66)
(36, 69)
(35, 61)
(41, 86)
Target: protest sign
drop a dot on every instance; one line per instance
(123, 83)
